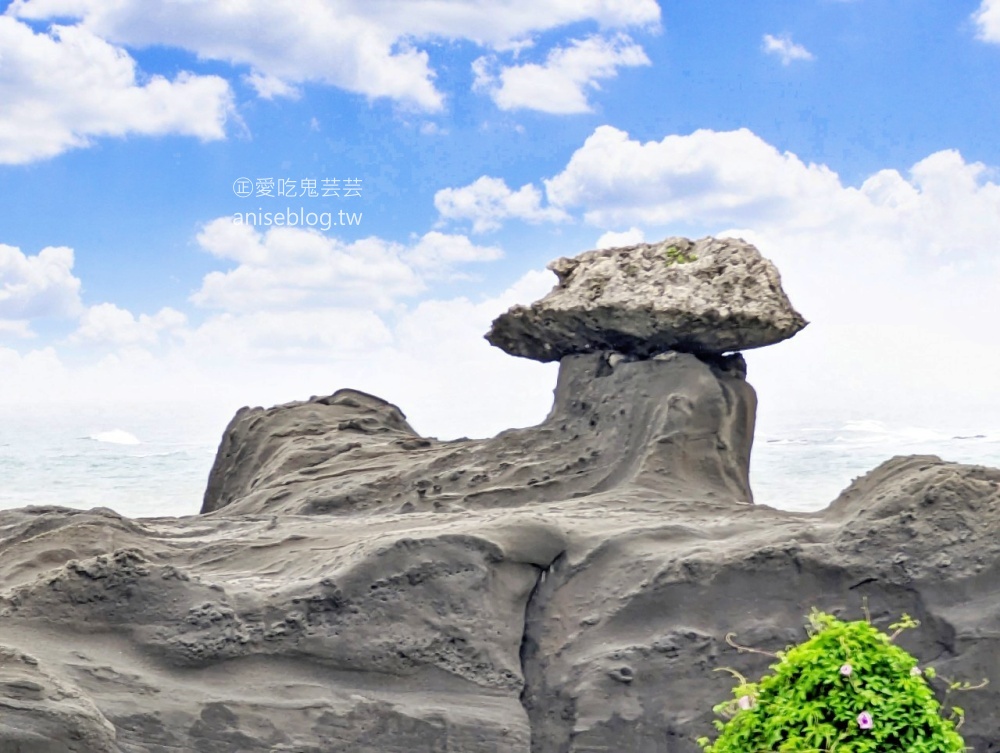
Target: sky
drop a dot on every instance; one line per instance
(435, 155)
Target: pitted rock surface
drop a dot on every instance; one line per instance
(709, 296)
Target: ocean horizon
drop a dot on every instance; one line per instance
(153, 460)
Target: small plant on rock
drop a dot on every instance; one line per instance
(677, 256)
(847, 689)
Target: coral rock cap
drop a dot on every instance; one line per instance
(711, 296)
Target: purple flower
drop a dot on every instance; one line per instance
(744, 702)
(865, 720)
(846, 670)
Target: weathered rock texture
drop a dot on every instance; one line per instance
(710, 296)
(675, 424)
(561, 589)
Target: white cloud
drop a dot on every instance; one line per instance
(562, 83)
(613, 239)
(897, 274)
(430, 128)
(62, 89)
(487, 202)
(269, 87)
(987, 20)
(432, 360)
(321, 335)
(108, 324)
(33, 377)
(363, 46)
(731, 177)
(289, 267)
(19, 328)
(37, 286)
(784, 48)
(435, 252)
(946, 207)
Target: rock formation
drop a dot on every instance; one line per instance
(684, 430)
(566, 588)
(710, 296)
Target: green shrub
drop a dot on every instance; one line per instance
(847, 689)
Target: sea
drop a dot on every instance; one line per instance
(153, 460)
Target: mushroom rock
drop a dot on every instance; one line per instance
(565, 588)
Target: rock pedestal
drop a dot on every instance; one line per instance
(675, 424)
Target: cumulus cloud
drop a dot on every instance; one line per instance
(925, 231)
(987, 20)
(288, 267)
(562, 83)
(285, 268)
(16, 328)
(613, 239)
(34, 287)
(437, 252)
(488, 202)
(785, 49)
(945, 206)
(63, 88)
(713, 176)
(108, 324)
(363, 46)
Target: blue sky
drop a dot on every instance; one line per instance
(853, 141)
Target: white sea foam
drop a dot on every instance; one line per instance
(115, 436)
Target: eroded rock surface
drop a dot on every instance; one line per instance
(561, 589)
(677, 424)
(709, 296)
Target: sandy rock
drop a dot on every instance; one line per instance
(560, 589)
(707, 296)
(44, 714)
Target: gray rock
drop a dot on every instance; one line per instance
(43, 714)
(560, 589)
(709, 296)
(353, 453)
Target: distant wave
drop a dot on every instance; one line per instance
(874, 434)
(168, 454)
(115, 436)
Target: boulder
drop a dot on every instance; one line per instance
(710, 296)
